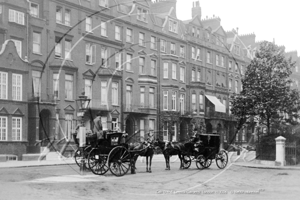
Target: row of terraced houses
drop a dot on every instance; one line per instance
(142, 67)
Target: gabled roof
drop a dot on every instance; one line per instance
(195, 20)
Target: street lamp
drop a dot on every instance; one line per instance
(83, 103)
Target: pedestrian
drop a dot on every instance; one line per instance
(98, 126)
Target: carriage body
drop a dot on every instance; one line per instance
(210, 145)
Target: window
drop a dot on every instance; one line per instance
(104, 57)
(142, 14)
(182, 51)
(194, 110)
(68, 47)
(142, 39)
(236, 49)
(151, 97)
(208, 57)
(34, 9)
(222, 61)
(142, 65)
(118, 33)
(142, 129)
(151, 126)
(104, 92)
(198, 55)
(198, 76)
(166, 70)
(104, 122)
(128, 97)
(69, 127)
(69, 87)
(182, 74)
(153, 68)
(163, 45)
(129, 35)
(230, 84)
(198, 33)
(207, 36)
(115, 124)
(142, 96)
(88, 24)
(217, 60)
(236, 86)
(193, 53)
(58, 47)
(174, 130)
(193, 75)
(174, 97)
(118, 60)
(17, 87)
(153, 43)
(3, 85)
(230, 65)
(115, 93)
(103, 29)
(128, 62)
(103, 3)
(173, 26)
(201, 105)
(165, 100)
(173, 48)
(67, 17)
(16, 17)
(88, 90)
(56, 85)
(174, 71)
(59, 15)
(182, 103)
(36, 81)
(16, 128)
(36, 40)
(166, 131)
(193, 31)
(3, 128)
(90, 53)
(18, 44)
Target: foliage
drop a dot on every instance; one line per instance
(267, 95)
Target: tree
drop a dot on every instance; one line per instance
(267, 95)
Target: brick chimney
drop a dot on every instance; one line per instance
(196, 9)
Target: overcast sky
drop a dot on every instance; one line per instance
(268, 19)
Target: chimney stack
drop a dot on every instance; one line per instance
(196, 9)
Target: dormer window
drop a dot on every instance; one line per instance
(142, 14)
(236, 49)
(173, 26)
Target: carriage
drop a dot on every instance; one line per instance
(110, 153)
(204, 153)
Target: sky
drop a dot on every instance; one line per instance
(269, 19)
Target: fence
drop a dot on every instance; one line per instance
(291, 154)
(265, 152)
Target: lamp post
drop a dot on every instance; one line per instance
(83, 103)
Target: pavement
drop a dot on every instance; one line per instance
(245, 159)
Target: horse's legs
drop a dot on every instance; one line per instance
(166, 159)
(180, 158)
(150, 162)
(147, 164)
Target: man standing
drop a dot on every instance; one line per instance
(98, 126)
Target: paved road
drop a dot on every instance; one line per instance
(66, 182)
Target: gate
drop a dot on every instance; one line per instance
(291, 156)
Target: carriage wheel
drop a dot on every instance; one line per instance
(221, 159)
(97, 163)
(200, 162)
(186, 161)
(119, 161)
(78, 156)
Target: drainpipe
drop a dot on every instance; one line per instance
(27, 30)
(158, 91)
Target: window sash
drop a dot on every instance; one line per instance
(34, 9)
(103, 29)
(151, 97)
(182, 73)
(59, 15)
(69, 87)
(194, 110)
(142, 96)
(68, 47)
(141, 39)
(88, 24)
(3, 128)
(16, 16)
(142, 65)
(174, 96)
(174, 70)
(128, 35)
(36, 48)
(117, 33)
(115, 95)
(153, 68)
(17, 87)
(56, 85)
(3, 85)
(69, 125)
(128, 62)
(36, 79)
(198, 76)
(165, 100)
(18, 45)
(163, 46)
(67, 17)
(104, 92)
(16, 128)
(153, 42)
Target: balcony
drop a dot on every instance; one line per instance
(96, 104)
(42, 97)
(138, 108)
(216, 115)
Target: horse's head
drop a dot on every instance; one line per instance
(158, 143)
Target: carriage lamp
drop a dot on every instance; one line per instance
(83, 103)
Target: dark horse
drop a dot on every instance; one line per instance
(169, 149)
(144, 149)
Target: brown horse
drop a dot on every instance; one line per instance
(144, 149)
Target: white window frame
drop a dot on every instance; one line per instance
(68, 47)
(128, 62)
(217, 60)
(129, 35)
(90, 53)
(88, 90)
(69, 125)
(128, 97)
(104, 91)
(59, 15)
(36, 42)
(182, 73)
(151, 126)
(88, 24)
(142, 96)
(208, 57)
(222, 61)
(174, 71)
(198, 54)
(166, 70)
(3, 85)
(174, 103)
(118, 60)
(34, 9)
(166, 131)
(163, 45)
(67, 17)
(182, 51)
(18, 44)
(103, 29)
(16, 17)
(56, 85)
(69, 87)
(174, 127)
(16, 128)
(182, 104)
(36, 82)
(165, 100)
(201, 102)
(236, 86)
(173, 48)
(142, 14)
(115, 93)
(153, 43)
(58, 47)
(198, 76)
(193, 53)
(142, 130)
(118, 33)
(153, 67)
(173, 26)
(104, 57)
(142, 62)
(193, 75)
(17, 87)
(194, 108)
(141, 39)
(151, 97)
(3, 128)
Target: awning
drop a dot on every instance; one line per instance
(219, 107)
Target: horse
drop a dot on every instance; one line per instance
(144, 149)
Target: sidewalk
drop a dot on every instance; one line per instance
(245, 159)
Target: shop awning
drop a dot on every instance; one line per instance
(219, 107)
